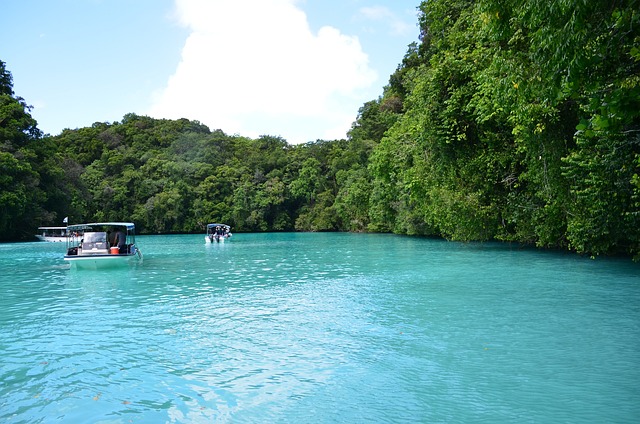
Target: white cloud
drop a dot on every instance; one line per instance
(38, 104)
(396, 25)
(254, 67)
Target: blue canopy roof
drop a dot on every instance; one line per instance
(217, 225)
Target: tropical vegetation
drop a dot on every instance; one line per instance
(512, 121)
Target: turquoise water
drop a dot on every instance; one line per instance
(319, 328)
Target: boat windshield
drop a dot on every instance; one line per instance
(94, 240)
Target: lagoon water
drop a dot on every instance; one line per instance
(319, 328)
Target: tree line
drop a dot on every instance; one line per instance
(504, 122)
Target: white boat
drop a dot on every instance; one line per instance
(217, 233)
(101, 245)
(52, 234)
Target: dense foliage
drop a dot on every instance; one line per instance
(516, 122)
(521, 122)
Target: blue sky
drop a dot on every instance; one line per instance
(299, 69)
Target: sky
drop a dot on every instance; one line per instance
(297, 69)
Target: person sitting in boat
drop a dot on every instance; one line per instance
(120, 240)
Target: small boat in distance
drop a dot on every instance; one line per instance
(52, 234)
(101, 245)
(217, 233)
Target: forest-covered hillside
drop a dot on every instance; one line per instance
(516, 122)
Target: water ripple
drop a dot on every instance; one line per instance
(319, 328)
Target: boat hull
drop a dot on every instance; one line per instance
(52, 239)
(101, 261)
(207, 239)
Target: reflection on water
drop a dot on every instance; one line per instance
(319, 328)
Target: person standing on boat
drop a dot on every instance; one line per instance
(120, 240)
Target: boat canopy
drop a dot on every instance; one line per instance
(218, 225)
(77, 227)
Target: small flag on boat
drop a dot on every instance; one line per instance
(65, 220)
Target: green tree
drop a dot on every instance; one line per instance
(22, 198)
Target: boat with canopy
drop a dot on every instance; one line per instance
(52, 234)
(217, 233)
(101, 245)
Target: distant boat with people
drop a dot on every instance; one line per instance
(101, 245)
(217, 233)
(52, 234)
